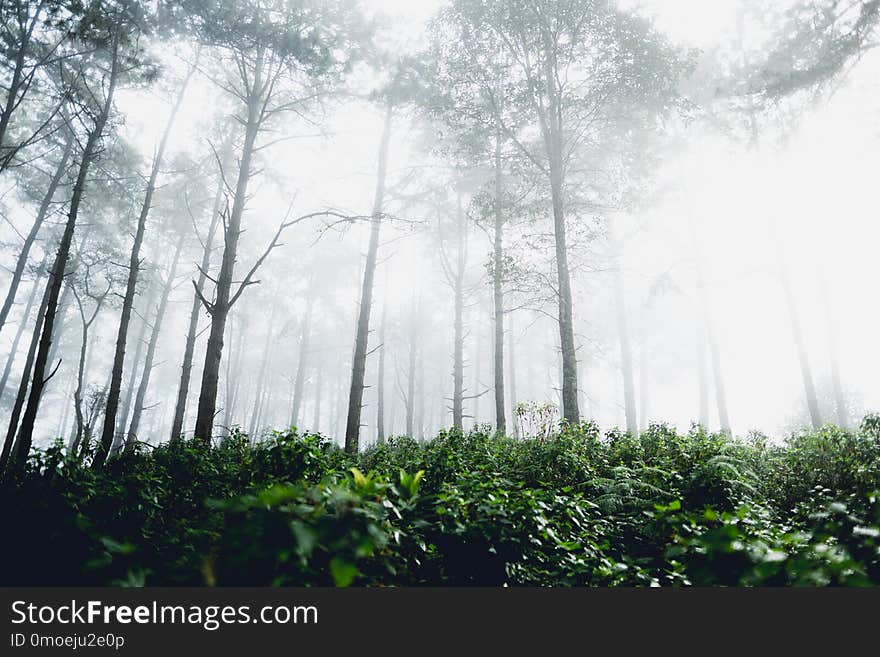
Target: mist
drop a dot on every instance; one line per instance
(720, 243)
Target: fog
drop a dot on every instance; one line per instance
(738, 201)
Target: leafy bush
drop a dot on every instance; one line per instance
(567, 508)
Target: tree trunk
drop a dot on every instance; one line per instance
(711, 336)
(703, 373)
(56, 278)
(415, 317)
(498, 293)
(21, 396)
(156, 331)
(119, 437)
(477, 361)
(551, 128)
(195, 311)
(302, 363)
(380, 383)
(319, 384)
(261, 375)
(359, 364)
(421, 398)
(458, 327)
(626, 360)
(511, 349)
(843, 418)
(223, 299)
(800, 346)
(134, 265)
(42, 212)
(233, 373)
(76, 436)
(23, 324)
(644, 388)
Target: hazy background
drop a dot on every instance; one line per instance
(815, 179)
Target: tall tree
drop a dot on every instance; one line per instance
(567, 66)
(86, 321)
(280, 53)
(196, 306)
(116, 24)
(155, 332)
(134, 266)
(359, 365)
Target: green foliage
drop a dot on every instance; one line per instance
(465, 508)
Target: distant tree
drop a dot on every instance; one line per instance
(275, 58)
(114, 28)
(560, 68)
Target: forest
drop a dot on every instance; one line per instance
(439, 292)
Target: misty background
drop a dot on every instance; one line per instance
(727, 198)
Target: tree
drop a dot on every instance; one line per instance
(33, 33)
(196, 306)
(134, 265)
(115, 25)
(134, 427)
(358, 371)
(278, 54)
(815, 43)
(565, 67)
(31, 237)
(86, 319)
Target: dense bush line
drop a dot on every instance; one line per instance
(575, 508)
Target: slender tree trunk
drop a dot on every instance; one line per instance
(477, 361)
(644, 388)
(380, 383)
(583, 384)
(511, 349)
(76, 436)
(800, 345)
(703, 373)
(498, 292)
(551, 126)
(711, 336)
(23, 324)
(843, 418)
(415, 317)
(223, 299)
(25, 435)
(234, 372)
(319, 384)
(125, 406)
(30, 238)
(421, 398)
(195, 311)
(156, 331)
(458, 328)
(21, 396)
(134, 265)
(302, 364)
(359, 364)
(626, 359)
(65, 401)
(60, 321)
(261, 375)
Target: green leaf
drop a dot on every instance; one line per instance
(342, 571)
